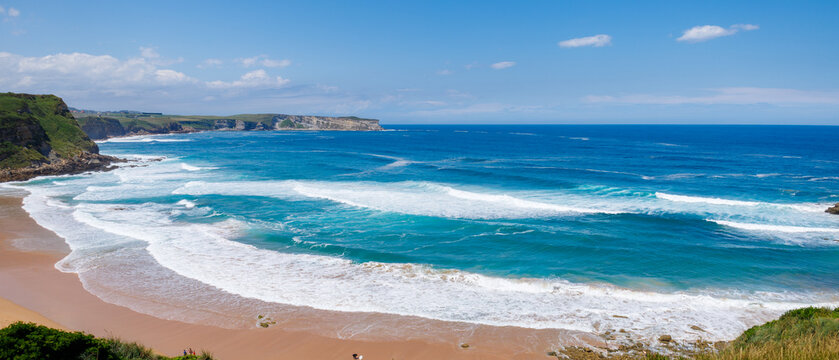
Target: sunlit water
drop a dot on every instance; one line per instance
(647, 228)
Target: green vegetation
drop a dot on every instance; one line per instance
(22, 341)
(153, 123)
(808, 333)
(33, 127)
(288, 124)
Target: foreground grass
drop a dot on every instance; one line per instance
(808, 333)
(801, 334)
(27, 341)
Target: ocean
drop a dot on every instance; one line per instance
(694, 231)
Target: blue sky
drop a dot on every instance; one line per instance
(765, 62)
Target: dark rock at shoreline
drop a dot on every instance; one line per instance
(82, 163)
(833, 209)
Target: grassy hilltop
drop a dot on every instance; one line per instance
(37, 129)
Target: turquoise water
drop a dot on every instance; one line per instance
(534, 226)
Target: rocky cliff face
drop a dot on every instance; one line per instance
(306, 122)
(232, 124)
(39, 136)
(101, 128)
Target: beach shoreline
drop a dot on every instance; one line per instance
(32, 289)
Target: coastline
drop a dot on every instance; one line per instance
(38, 292)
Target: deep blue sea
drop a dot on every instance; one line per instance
(535, 226)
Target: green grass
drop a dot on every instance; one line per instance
(15, 157)
(808, 333)
(26, 341)
(38, 124)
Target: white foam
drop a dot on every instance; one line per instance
(188, 167)
(704, 200)
(776, 228)
(186, 203)
(204, 252)
(811, 207)
(508, 200)
(414, 198)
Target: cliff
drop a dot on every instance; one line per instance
(39, 136)
(109, 124)
(306, 122)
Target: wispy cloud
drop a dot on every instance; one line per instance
(10, 12)
(256, 78)
(731, 95)
(595, 41)
(476, 109)
(708, 32)
(445, 72)
(503, 65)
(208, 63)
(263, 60)
(149, 53)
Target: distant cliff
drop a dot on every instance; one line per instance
(306, 122)
(102, 125)
(39, 136)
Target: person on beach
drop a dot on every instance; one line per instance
(357, 357)
(184, 352)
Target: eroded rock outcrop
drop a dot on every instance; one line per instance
(39, 136)
(307, 122)
(833, 209)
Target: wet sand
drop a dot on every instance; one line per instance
(32, 289)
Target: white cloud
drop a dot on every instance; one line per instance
(745, 27)
(503, 65)
(596, 41)
(12, 12)
(149, 53)
(708, 32)
(102, 69)
(276, 63)
(731, 95)
(166, 77)
(263, 60)
(210, 63)
(106, 82)
(256, 78)
(2, 10)
(445, 72)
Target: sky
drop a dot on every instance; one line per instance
(430, 62)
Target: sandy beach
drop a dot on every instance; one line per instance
(31, 289)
